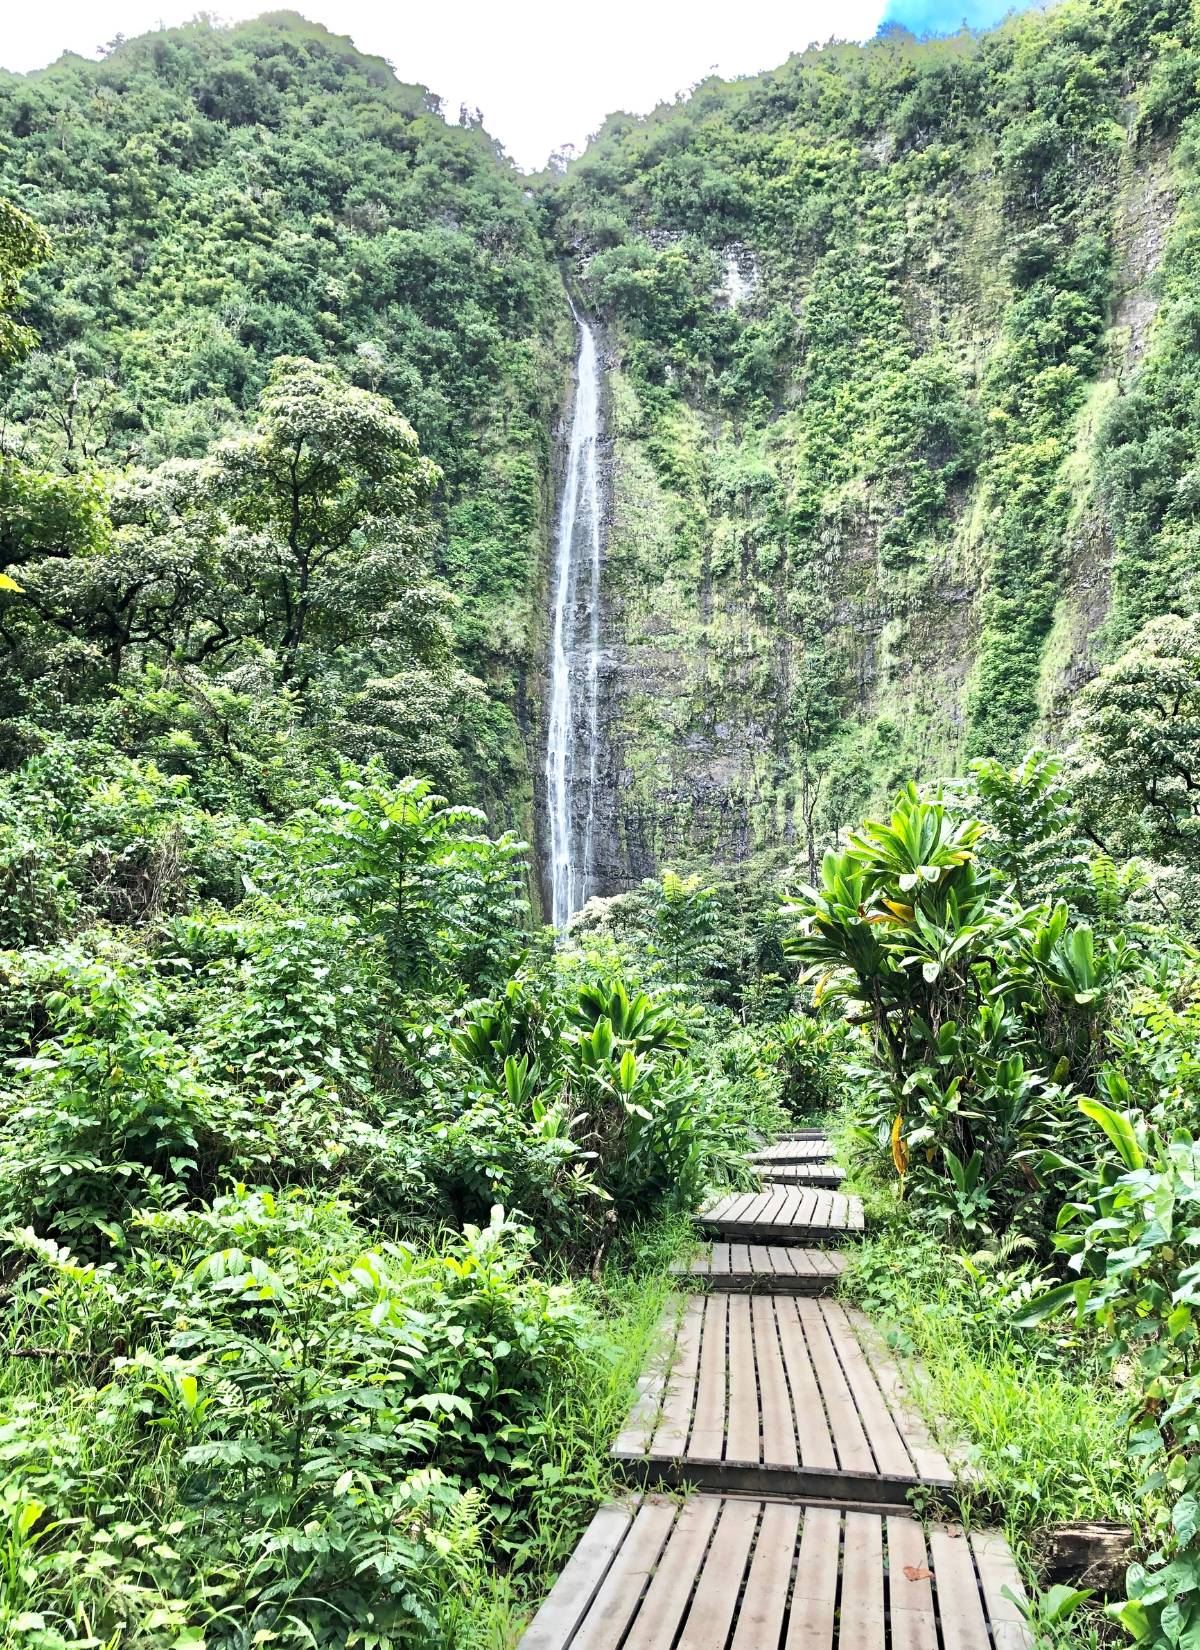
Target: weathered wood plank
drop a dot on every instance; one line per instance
(788, 1150)
(828, 1175)
(850, 1440)
(760, 1620)
(635, 1437)
(959, 1603)
(814, 1595)
(668, 1594)
(742, 1432)
(569, 1600)
(997, 1570)
(887, 1446)
(620, 1593)
(860, 1623)
(778, 1427)
(776, 1269)
(814, 1442)
(679, 1396)
(718, 1571)
(930, 1463)
(784, 1214)
(708, 1425)
(914, 1626)
(708, 1622)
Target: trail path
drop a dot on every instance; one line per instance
(787, 1422)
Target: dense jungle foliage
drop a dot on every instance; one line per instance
(337, 1196)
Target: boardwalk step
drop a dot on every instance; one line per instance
(751, 1268)
(762, 1575)
(782, 1214)
(794, 1151)
(802, 1174)
(775, 1395)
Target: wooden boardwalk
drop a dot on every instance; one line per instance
(794, 1151)
(763, 1575)
(829, 1175)
(783, 1214)
(774, 1395)
(753, 1267)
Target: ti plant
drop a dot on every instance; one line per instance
(977, 1006)
(1132, 1236)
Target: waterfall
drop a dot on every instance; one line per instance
(571, 861)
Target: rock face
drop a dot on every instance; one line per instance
(852, 531)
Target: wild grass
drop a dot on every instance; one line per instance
(1034, 1420)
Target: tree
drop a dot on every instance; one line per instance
(324, 501)
(23, 244)
(1136, 757)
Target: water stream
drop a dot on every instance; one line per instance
(575, 650)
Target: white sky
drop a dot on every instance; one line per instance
(543, 73)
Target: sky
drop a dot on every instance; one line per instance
(543, 74)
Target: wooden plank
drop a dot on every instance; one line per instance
(778, 1427)
(716, 1598)
(784, 1213)
(959, 1604)
(669, 1592)
(621, 1590)
(914, 1626)
(720, 1258)
(569, 1600)
(760, 1619)
(639, 1429)
(794, 1151)
(850, 1441)
(739, 1257)
(742, 1433)
(679, 1395)
(813, 1440)
(931, 1464)
(802, 1174)
(708, 1423)
(814, 1595)
(801, 1206)
(998, 1570)
(887, 1446)
(860, 1625)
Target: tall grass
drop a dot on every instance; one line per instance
(1035, 1421)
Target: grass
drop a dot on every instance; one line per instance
(1034, 1419)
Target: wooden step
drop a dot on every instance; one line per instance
(753, 1268)
(794, 1151)
(803, 1134)
(802, 1174)
(783, 1214)
(768, 1575)
(775, 1395)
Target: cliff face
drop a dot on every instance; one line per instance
(870, 321)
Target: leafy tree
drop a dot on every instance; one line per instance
(1136, 755)
(23, 244)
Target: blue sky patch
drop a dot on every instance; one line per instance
(923, 17)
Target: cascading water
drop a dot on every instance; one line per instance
(571, 862)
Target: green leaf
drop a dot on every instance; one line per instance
(1118, 1129)
(1047, 1305)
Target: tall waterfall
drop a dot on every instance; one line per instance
(571, 860)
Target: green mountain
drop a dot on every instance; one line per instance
(899, 393)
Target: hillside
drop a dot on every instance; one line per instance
(216, 198)
(901, 404)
